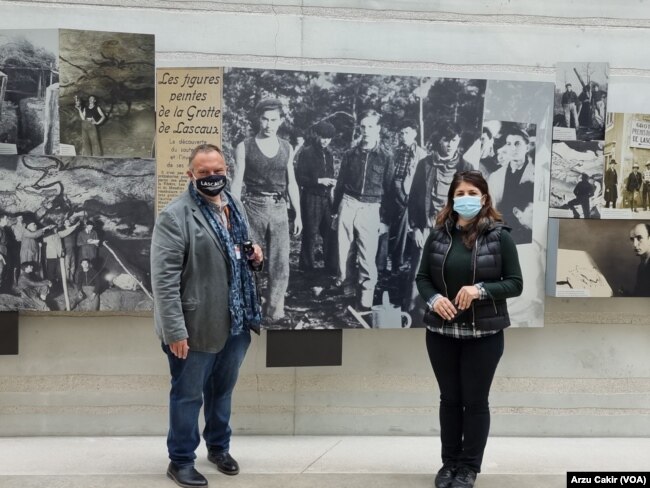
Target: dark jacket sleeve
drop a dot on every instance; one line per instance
(301, 171)
(305, 174)
(389, 176)
(511, 283)
(417, 197)
(423, 280)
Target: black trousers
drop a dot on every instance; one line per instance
(317, 220)
(645, 194)
(464, 369)
(584, 203)
(52, 268)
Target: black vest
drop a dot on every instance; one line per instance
(488, 314)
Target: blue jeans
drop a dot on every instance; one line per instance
(208, 377)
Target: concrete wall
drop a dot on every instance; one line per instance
(587, 373)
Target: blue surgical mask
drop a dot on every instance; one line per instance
(468, 206)
(211, 185)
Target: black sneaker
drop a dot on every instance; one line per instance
(444, 477)
(465, 478)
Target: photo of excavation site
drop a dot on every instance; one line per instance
(76, 233)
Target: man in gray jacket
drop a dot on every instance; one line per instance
(205, 304)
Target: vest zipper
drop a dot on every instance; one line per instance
(474, 281)
(494, 304)
(444, 260)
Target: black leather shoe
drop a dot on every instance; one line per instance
(225, 462)
(464, 478)
(185, 476)
(444, 477)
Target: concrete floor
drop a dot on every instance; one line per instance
(309, 461)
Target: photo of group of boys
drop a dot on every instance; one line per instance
(360, 166)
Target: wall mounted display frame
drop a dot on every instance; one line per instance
(577, 180)
(314, 299)
(599, 258)
(188, 113)
(75, 231)
(87, 219)
(107, 94)
(580, 105)
(77, 92)
(626, 166)
(29, 91)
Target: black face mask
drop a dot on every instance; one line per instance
(211, 185)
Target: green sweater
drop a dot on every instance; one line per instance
(458, 271)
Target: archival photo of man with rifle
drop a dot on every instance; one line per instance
(580, 101)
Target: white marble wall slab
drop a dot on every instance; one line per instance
(187, 31)
(585, 373)
(575, 10)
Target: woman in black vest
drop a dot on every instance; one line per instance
(469, 267)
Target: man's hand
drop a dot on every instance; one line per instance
(297, 225)
(327, 181)
(525, 217)
(444, 308)
(180, 349)
(258, 256)
(335, 221)
(466, 295)
(383, 228)
(418, 237)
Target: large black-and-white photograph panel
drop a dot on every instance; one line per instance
(29, 91)
(626, 167)
(580, 101)
(603, 258)
(528, 103)
(341, 175)
(577, 189)
(75, 233)
(107, 94)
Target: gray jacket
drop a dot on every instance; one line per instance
(190, 275)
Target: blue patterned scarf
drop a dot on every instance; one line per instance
(242, 300)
